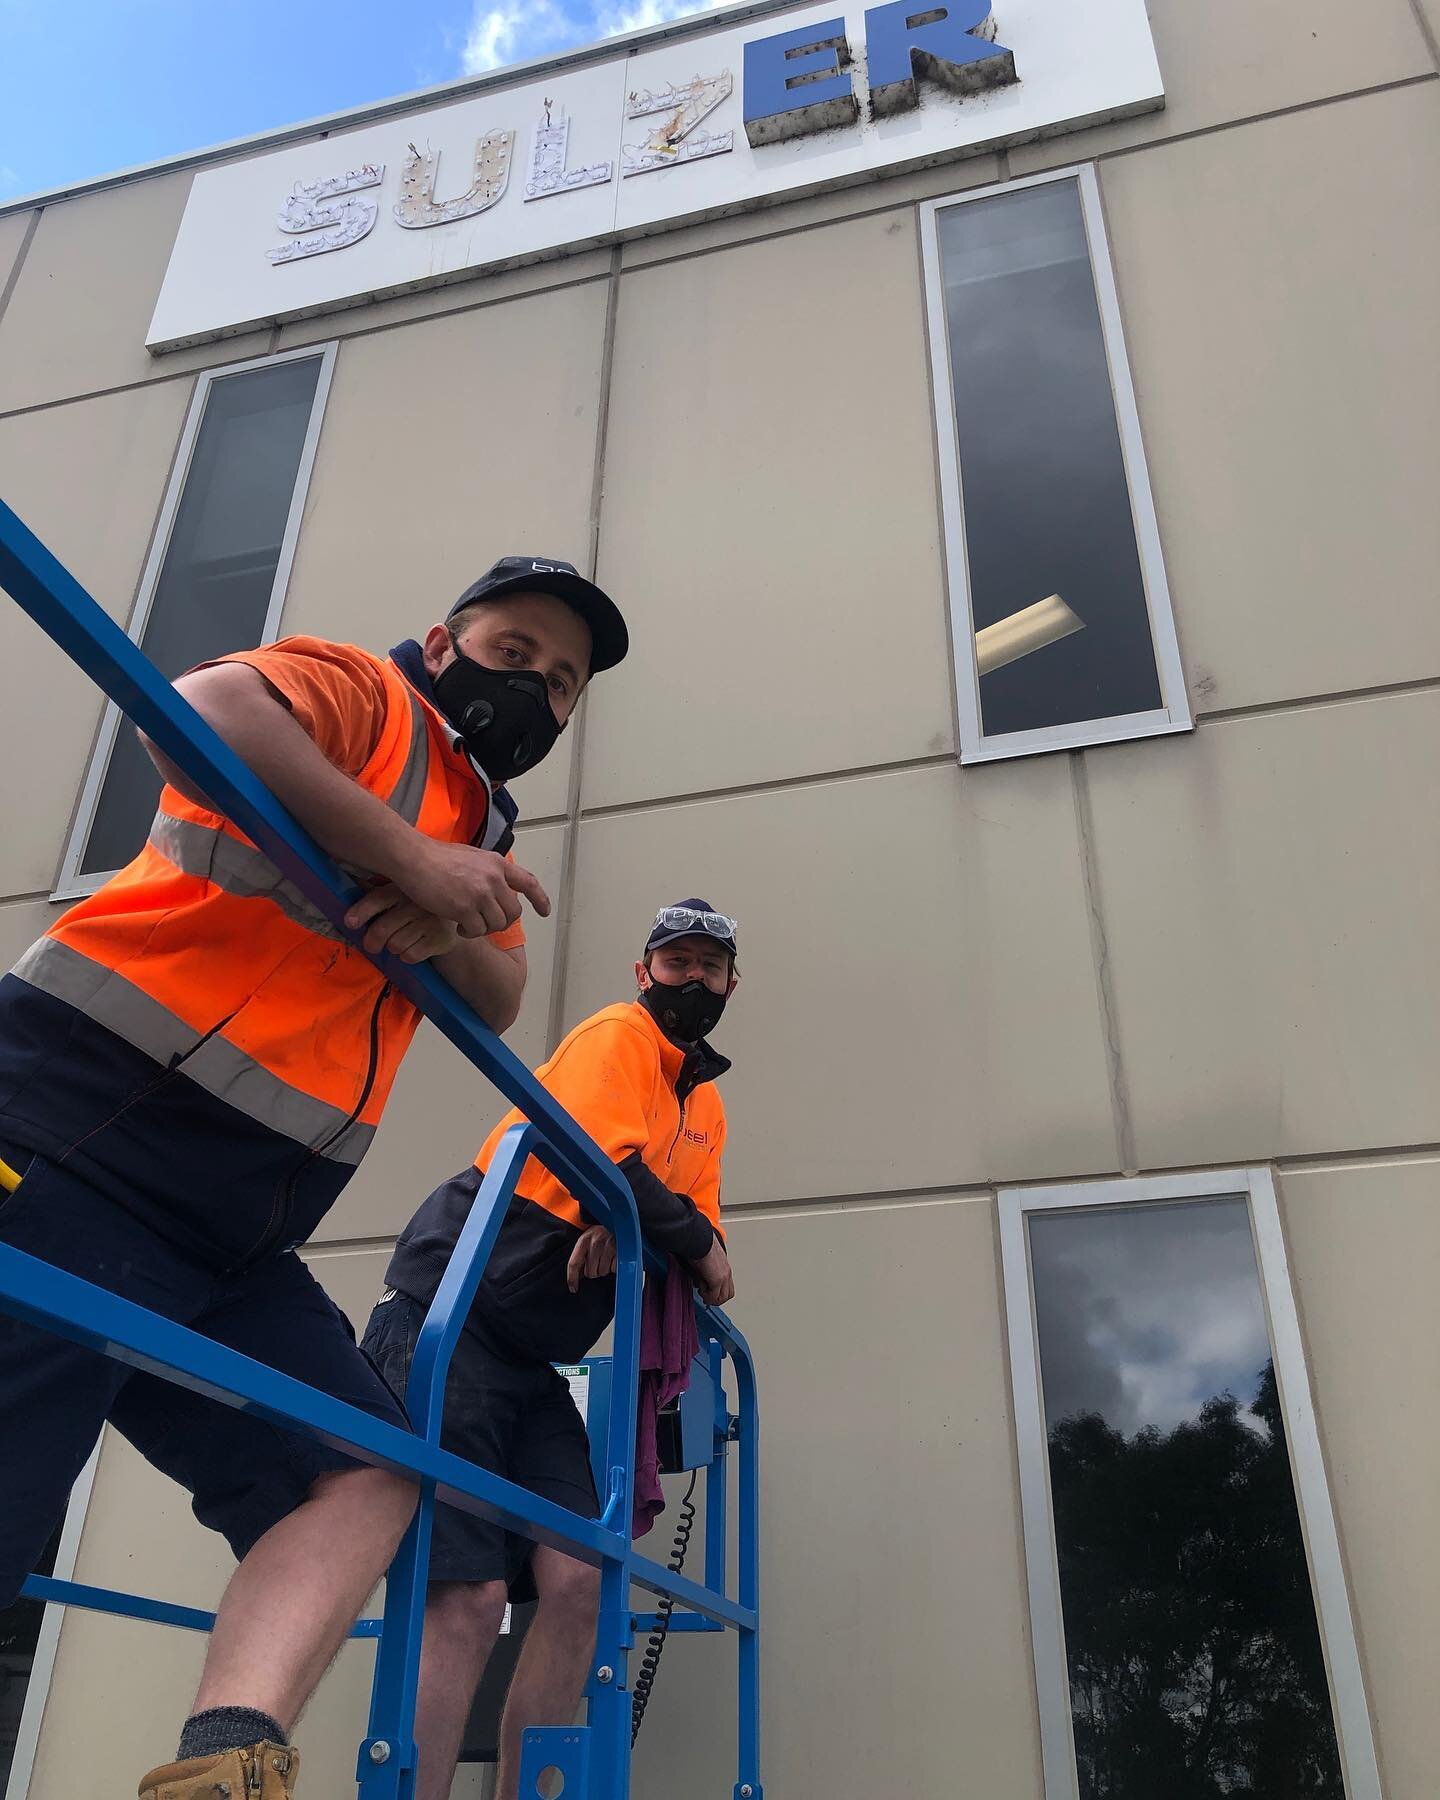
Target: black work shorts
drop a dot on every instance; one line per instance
(243, 1473)
(515, 1419)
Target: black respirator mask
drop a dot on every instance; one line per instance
(687, 1012)
(503, 716)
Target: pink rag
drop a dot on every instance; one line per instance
(669, 1343)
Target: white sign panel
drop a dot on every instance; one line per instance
(721, 120)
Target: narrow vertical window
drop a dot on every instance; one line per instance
(1063, 633)
(1164, 1478)
(216, 579)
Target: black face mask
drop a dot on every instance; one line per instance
(503, 715)
(688, 1012)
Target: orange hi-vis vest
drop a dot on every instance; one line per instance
(202, 956)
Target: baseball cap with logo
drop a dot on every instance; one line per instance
(545, 575)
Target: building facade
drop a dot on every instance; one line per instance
(1030, 558)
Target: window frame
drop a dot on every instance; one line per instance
(1174, 714)
(47, 1643)
(1334, 1618)
(70, 883)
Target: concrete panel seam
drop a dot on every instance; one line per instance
(13, 277)
(945, 1194)
(1423, 684)
(1389, 1156)
(1427, 30)
(443, 312)
(769, 237)
(570, 851)
(162, 375)
(1100, 952)
(1262, 118)
(120, 387)
(777, 784)
(907, 765)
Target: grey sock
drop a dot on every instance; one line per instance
(222, 1728)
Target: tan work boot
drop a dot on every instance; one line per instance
(259, 1772)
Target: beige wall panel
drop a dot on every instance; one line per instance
(770, 523)
(918, 1005)
(88, 479)
(1227, 61)
(482, 290)
(442, 1108)
(1290, 392)
(896, 1658)
(132, 1683)
(21, 922)
(12, 235)
(77, 320)
(445, 446)
(817, 209)
(1271, 897)
(1364, 1246)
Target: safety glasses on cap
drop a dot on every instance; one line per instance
(687, 918)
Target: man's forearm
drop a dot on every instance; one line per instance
(354, 826)
(671, 1221)
(489, 979)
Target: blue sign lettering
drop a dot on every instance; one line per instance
(949, 44)
(794, 83)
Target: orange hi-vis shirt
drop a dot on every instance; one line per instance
(202, 956)
(654, 1109)
(616, 1073)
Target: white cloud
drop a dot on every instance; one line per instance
(9, 178)
(612, 20)
(515, 30)
(1148, 1311)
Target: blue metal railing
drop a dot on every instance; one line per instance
(596, 1762)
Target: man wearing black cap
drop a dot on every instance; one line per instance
(193, 1062)
(640, 1077)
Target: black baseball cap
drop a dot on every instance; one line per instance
(691, 918)
(545, 575)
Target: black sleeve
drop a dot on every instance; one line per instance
(667, 1219)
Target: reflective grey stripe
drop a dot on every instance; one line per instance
(239, 868)
(242, 870)
(408, 792)
(216, 1065)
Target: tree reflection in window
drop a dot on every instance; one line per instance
(1195, 1663)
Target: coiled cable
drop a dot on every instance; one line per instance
(655, 1645)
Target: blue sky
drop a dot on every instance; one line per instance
(97, 85)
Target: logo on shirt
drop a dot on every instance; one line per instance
(696, 1137)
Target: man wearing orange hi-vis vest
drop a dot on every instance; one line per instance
(192, 1064)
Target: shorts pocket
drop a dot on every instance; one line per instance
(389, 1342)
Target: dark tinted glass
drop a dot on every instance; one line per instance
(219, 569)
(1194, 1655)
(1047, 509)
